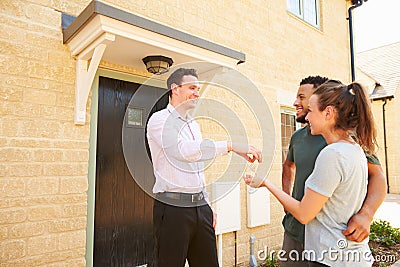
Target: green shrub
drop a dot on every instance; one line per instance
(382, 232)
(270, 261)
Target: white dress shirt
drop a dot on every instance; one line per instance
(178, 152)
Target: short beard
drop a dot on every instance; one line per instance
(301, 119)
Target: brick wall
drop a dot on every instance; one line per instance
(44, 156)
(392, 141)
(392, 129)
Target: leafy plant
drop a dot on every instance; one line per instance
(382, 232)
(270, 262)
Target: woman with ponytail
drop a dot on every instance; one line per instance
(354, 116)
(336, 189)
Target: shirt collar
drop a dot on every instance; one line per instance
(176, 114)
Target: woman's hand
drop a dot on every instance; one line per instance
(253, 181)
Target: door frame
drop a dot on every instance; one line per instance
(94, 108)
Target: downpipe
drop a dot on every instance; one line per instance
(356, 3)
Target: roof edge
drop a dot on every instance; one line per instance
(70, 29)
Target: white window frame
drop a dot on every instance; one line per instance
(291, 112)
(301, 12)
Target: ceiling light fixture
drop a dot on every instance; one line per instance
(157, 64)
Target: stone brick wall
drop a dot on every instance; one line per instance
(392, 129)
(393, 144)
(44, 156)
(392, 141)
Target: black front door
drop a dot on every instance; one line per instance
(123, 211)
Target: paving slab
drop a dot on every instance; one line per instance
(389, 210)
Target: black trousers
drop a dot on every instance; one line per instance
(184, 233)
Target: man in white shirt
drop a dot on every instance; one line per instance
(183, 220)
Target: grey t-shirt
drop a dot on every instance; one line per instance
(340, 173)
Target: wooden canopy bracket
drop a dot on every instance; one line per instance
(85, 73)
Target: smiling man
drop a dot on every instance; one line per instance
(183, 220)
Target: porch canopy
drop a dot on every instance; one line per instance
(104, 32)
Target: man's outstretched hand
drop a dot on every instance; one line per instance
(249, 152)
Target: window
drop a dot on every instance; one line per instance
(288, 127)
(308, 10)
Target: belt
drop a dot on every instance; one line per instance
(196, 197)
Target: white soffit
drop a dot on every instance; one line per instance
(103, 32)
(129, 44)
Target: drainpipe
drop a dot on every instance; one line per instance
(235, 248)
(253, 260)
(384, 142)
(356, 3)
